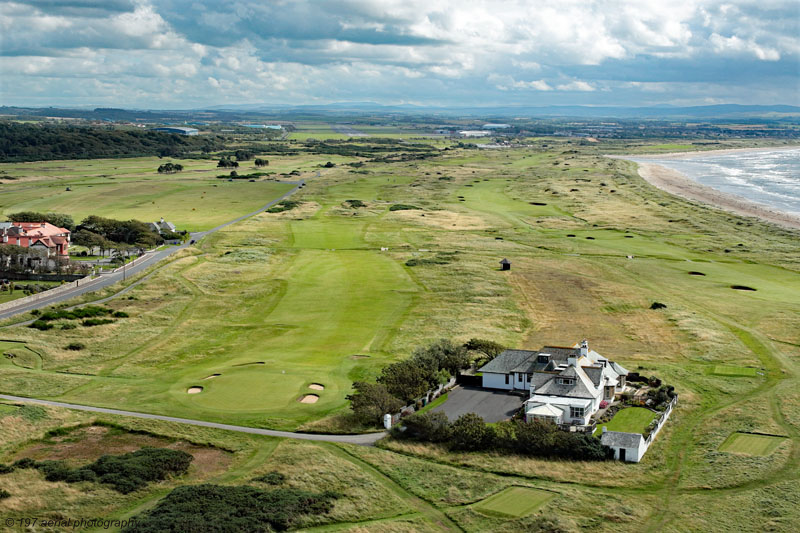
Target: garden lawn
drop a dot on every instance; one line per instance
(751, 443)
(628, 420)
(514, 502)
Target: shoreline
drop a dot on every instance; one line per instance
(678, 184)
(696, 153)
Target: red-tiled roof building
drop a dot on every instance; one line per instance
(36, 235)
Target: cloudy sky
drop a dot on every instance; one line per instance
(192, 53)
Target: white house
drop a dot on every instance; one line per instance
(627, 446)
(566, 385)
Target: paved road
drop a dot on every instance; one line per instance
(366, 439)
(148, 260)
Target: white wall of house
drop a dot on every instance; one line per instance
(632, 455)
(497, 381)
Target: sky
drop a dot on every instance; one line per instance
(179, 54)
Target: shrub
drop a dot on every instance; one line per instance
(6, 469)
(41, 325)
(354, 204)
(120, 314)
(658, 305)
(271, 478)
(402, 207)
(68, 325)
(76, 346)
(4, 494)
(230, 509)
(428, 426)
(603, 404)
(470, 433)
(285, 205)
(89, 322)
(371, 401)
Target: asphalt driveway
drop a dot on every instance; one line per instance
(491, 405)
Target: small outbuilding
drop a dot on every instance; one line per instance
(505, 264)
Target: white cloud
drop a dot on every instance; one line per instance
(464, 50)
(576, 85)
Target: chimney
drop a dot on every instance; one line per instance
(584, 348)
(572, 361)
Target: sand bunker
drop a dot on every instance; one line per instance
(309, 398)
(212, 376)
(195, 390)
(316, 386)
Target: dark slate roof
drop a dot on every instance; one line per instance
(595, 373)
(553, 388)
(507, 361)
(561, 353)
(621, 439)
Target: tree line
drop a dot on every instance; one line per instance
(40, 142)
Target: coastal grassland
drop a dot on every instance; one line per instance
(306, 290)
(194, 199)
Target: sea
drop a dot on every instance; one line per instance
(768, 177)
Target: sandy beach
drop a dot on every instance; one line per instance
(676, 183)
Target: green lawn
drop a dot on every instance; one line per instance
(751, 443)
(514, 502)
(727, 370)
(629, 420)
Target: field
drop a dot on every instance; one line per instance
(258, 312)
(193, 200)
(514, 502)
(724, 370)
(629, 420)
(751, 444)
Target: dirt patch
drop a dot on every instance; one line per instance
(309, 398)
(695, 273)
(742, 288)
(440, 219)
(87, 444)
(316, 386)
(194, 390)
(212, 376)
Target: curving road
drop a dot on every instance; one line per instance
(365, 439)
(146, 261)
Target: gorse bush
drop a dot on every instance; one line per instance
(89, 311)
(271, 478)
(285, 205)
(125, 473)
(89, 322)
(231, 509)
(470, 433)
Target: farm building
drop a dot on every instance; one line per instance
(176, 129)
(566, 385)
(41, 236)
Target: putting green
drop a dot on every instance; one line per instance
(514, 502)
(725, 370)
(751, 443)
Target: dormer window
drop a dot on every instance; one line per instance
(566, 381)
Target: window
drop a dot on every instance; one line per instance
(506, 379)
(519, 378)
(576, 412)
(566, 381)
